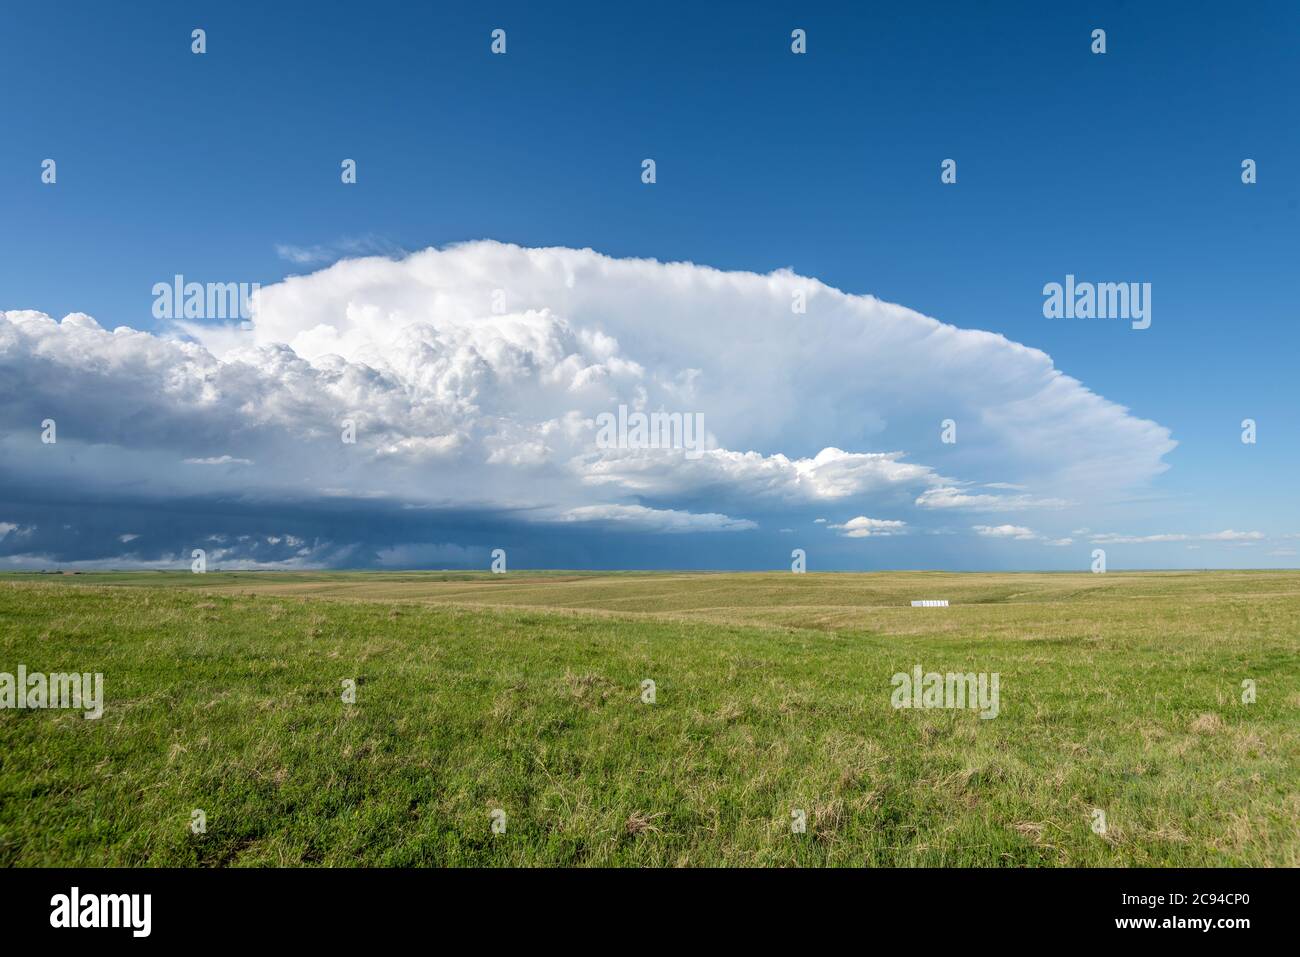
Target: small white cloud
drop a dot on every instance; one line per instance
(1228, 535)
(863, 527)
(1017, 532)
(640, 518)
(1020, 533)
(219, 460)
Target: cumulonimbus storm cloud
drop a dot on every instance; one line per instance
(474, 377)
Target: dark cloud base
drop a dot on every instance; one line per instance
(55, 529)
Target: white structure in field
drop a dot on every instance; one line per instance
(931, 604)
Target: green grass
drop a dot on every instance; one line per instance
(522, 692)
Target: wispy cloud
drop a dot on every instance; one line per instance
(325, 253)
(1228, 535)
(957, 498)
(218, 460)
(640, 518)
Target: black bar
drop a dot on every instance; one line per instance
(335, 907)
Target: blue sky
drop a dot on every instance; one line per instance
(1117, 167)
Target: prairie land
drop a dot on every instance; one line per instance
(524, 694)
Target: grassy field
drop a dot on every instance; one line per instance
(1119, 692)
